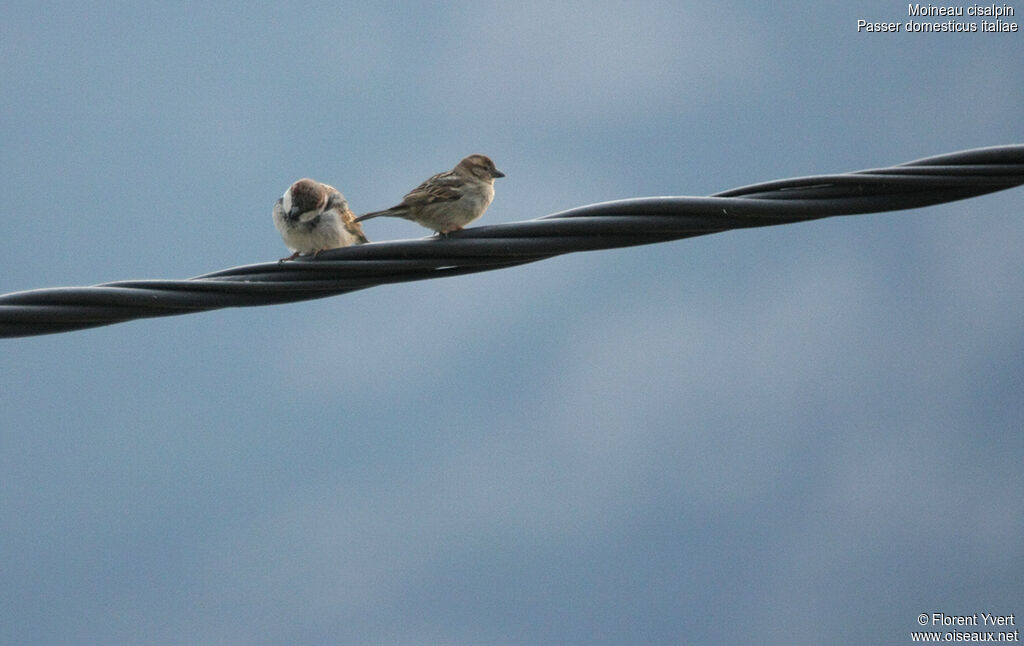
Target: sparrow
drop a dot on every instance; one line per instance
(450, 200)
(313, 216)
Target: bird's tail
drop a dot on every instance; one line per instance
(375, 214)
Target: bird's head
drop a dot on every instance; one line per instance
(304, 196)
(480, 166)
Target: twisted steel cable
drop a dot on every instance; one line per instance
(606, 225)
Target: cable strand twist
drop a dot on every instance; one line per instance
(606, 225)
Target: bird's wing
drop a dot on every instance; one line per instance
(337, 202)
(348, 220)
(443, 187)
(335, 199)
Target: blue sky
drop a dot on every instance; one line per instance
(793, 435)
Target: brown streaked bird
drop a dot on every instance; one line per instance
(313, 216)
(450, 200)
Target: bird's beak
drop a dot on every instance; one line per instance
(497, 173)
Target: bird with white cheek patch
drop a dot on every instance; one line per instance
(313, 216)
(450, 200)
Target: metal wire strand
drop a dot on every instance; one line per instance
(606, 225)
